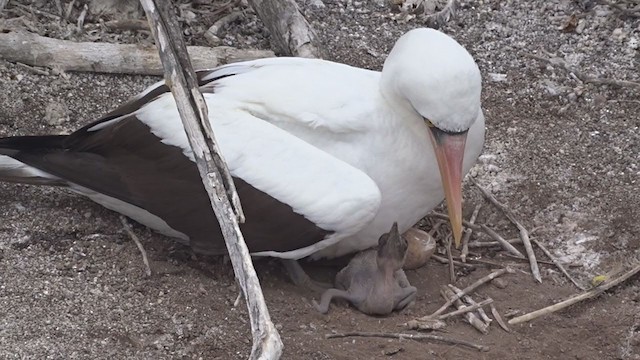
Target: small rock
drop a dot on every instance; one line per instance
(499, 283)
(318, 4)
(56, 113)
(496, 77)
(618, 34)
(393, 351)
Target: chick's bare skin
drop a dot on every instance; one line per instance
(374, 281)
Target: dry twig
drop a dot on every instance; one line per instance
(446, 261)
(135, 239)
(558, 264)
(470, 288)
(452, 268)
(30, 9)
(576, 299)
(401, 336)
(524, 234)
(127, 24)
(471, 318)
(470, 301)
(467, 234)
(559, 63)
(504, 243)
(467, 309)
(484, 244)
(81, 17)
(465, 223)
(496, 315)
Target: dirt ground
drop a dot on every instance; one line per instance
(562, 153)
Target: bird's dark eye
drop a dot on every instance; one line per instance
(429, 123)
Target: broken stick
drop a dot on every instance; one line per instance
(471, 318)
(558, 264)
(470, 288)
(504, 243)
(524, 234)
(467, 234)
(576, 299)
(466, 309)
(470, 301)
(496, 315)
(36, 50)
(401, 336)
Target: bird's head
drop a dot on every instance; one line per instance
(439, 80)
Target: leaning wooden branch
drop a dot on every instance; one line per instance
(576, 299)
(559, 63)
(215, 175)
(410, 336)
(524, 234)
(290, 31)
(500, 240)
(558, 264)
(32, 49)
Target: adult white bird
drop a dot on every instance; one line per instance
(325, 156)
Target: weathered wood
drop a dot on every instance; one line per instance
(291, 33)
(215, 176)
(577, 298)
(36, 50)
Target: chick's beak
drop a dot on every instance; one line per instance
(449, 150)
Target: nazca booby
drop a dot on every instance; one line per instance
(325, 156)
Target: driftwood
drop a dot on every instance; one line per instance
(291, 33)
(217, 181)
(66, 55)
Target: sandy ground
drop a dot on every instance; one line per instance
(563, 154)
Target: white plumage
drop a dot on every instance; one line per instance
(346, 148)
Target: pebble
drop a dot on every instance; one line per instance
(56, 113)
(499, 283)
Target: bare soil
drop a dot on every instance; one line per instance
(564, 155)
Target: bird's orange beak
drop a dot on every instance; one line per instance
(449, 149)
